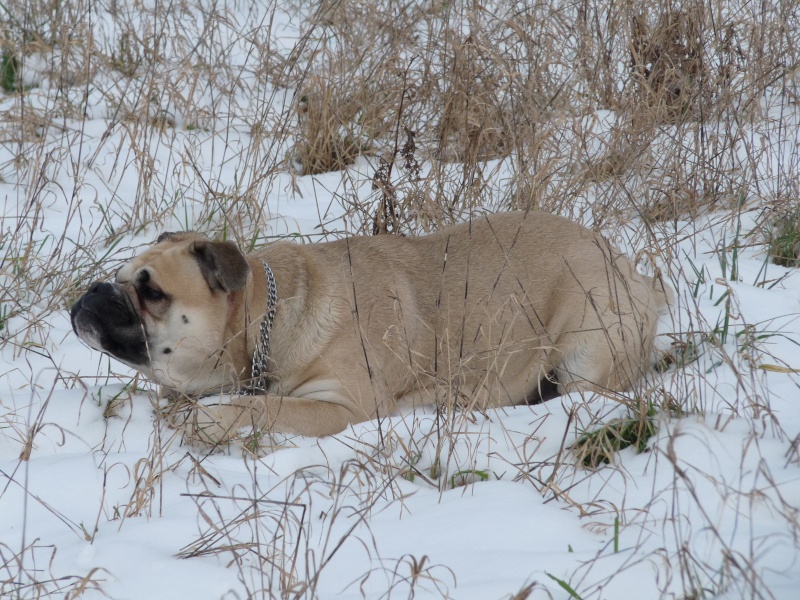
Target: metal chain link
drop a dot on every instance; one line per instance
(261, 354)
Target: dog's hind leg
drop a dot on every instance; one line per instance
(609, 358)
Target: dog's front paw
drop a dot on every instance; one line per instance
(204, 424)
(212, 425)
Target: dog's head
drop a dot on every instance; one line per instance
(168, 313)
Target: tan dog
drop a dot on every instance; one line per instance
(487, 313)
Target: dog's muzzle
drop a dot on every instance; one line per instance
(106, 320)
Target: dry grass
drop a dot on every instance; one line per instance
(783, 237)
(608, 113)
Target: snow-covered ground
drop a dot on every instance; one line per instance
(99, 498)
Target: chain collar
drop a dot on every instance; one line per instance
(260, 367)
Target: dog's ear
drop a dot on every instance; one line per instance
(222, 264)
(167, 236)
(179, 236)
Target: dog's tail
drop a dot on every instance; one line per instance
(664, 305)
(665, 295)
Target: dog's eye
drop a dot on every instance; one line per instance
(152, 294)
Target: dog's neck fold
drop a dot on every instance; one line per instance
(248, 306)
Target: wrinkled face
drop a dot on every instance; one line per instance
(166, 315)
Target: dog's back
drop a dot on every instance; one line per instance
(483, 311)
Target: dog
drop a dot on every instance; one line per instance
(307, 339)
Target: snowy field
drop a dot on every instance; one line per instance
(100, 498)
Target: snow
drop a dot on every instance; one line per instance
(112, 503)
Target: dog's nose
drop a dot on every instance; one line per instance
(101, 287)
